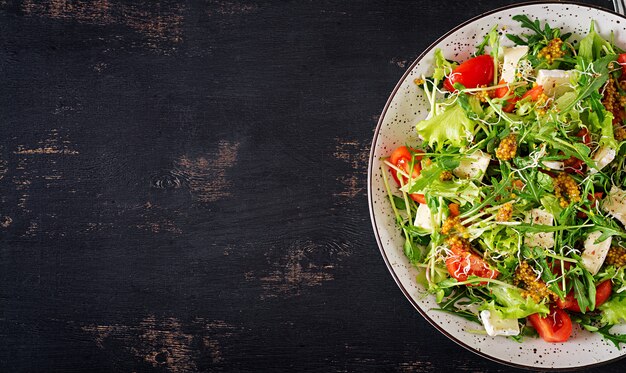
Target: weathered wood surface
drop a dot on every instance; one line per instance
(182, 186)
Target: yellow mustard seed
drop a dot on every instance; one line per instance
(507, 148)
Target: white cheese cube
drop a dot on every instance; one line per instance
(473, 166)
(594, 254)
(543, 239)
(615, 204)
(554, 165)
(511, 58)
(603, 156)
(554, 82)
(496, 325)
(423, 218)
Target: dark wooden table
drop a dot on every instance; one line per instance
(182, 186)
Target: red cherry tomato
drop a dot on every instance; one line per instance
(402, 158)
(471, 73)
(603, 292)
(556, 327)
(461, 264)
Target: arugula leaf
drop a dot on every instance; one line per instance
(516, 39)
(449, 305)
(527, 23)
(580, 293)
(480, 48)
(426, 178)
(616, 339)
(600, 75)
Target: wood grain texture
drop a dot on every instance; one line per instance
(182, 186)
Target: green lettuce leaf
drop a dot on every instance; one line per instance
(510, 304)
(461, 191)
(448, 127)
(614, 311)
(441, 65)
(605, 127)
(590, 47)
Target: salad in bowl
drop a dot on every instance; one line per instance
(511, 199)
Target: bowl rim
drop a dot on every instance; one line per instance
(370, 187)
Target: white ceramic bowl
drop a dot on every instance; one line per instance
(404, 108)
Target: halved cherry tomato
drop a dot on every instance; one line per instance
(471, 73)
(401, 158)
(461, 264)
(603, 292)
(556, 327)
(503, 92)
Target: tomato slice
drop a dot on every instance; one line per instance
(533, 93)
(603, 292)
(461, 264)
(556, 327)
(472, 73)
(419, 198)
(401, 158)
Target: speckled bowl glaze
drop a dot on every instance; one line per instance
(404, 108)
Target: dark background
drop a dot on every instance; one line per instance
(183, 186)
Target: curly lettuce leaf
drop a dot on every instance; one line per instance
(614, 311)
(441, 66)
(461, 191)
(510, 303)
(604, 127)
(450, 127)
